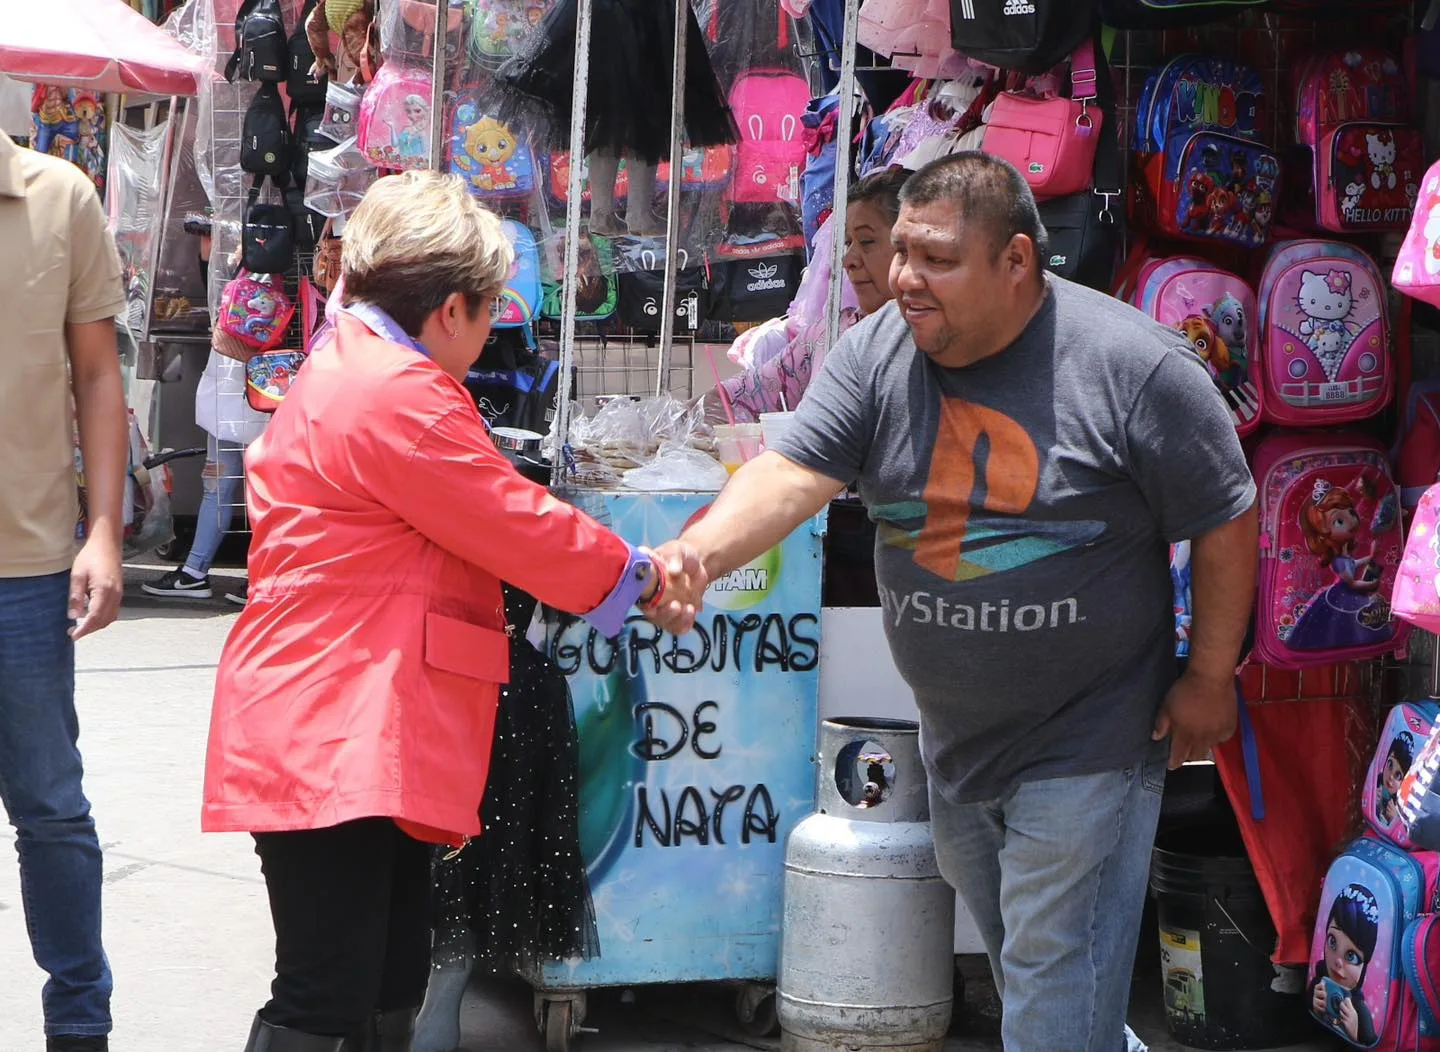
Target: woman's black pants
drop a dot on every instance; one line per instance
(351, 906)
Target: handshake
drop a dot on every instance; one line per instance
(684, 582)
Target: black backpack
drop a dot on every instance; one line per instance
(513, 386)
(1029, 35)
(754, 289)
(260, 52)
(266, 145)
(642, 294)
(267, 238)
(301, 85)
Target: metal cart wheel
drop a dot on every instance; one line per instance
(755, 1009)
(559, 1026)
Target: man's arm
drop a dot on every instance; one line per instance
(761, 505)
(96, 579)
(1199, 712)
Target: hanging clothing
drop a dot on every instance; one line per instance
(520, 888)
(631, 66)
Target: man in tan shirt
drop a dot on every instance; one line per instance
(60, 289)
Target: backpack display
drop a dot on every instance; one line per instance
(1416, 599)
(267, 239)
(1169, 14)
(254, 312)
(596, 292)
(642, 294)
(266, 142)
(1325, 331)
(701, 169)
(519, 304)
(1330, 542)
(1207, 173)
(754, 289)
(768, 107)
(268, 377)
(261, 51)
(1418, 802)
(1407, 728)
(394, 126)
(499, 27)
(1376, 949)
(1215, 311)
(1029, 35)
(304, 87)
(1417, 267)
(494, 159)
(514, 386)
(1351, 114)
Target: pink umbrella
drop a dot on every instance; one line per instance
(103, 45)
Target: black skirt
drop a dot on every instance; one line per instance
(520, 887)
(632, 64)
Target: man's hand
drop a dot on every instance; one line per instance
(96, 583)
(1198, 714)
(684, 587)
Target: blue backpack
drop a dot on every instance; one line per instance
(493, 158)
(519, 304)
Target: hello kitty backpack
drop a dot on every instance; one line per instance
(1375, 956)
(1325, 334)
(1417, 267)
(1330, 542)
(768, 107)
(1215, 311)
(1352, 114)
(394, 130)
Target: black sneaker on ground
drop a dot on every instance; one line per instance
(72, 1043)
(177, 584)
(239, 598)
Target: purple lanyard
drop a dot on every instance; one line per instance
(384, 326)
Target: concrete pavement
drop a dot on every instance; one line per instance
(186, 923)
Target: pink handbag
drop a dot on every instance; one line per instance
(1416, 598)
(1051, 141)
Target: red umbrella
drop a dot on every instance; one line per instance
(103, 45)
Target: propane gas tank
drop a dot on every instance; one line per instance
(867, 943)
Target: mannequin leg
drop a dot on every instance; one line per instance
(604, 167)
(641, 218)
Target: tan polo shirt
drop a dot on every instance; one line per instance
(58, 264)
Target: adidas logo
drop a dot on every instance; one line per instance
(765, 279)
(1018, 7)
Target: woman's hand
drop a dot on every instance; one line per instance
(685, 582)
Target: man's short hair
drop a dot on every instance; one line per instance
(989, 193)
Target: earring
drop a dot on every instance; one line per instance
(454, 334)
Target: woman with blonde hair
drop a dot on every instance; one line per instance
(355, 699)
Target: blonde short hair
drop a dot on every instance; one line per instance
(415, 239)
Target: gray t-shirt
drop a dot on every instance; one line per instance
(1024, 505)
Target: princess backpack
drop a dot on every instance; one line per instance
(394, 127)
(1375, 956)
(1408, 727)
(1325, 334)
(1215, 311)
(1329, 547)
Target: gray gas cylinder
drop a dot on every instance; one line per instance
(867, 943)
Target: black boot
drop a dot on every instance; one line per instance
(76, 1043)
(267, 1038)
(395, 1030)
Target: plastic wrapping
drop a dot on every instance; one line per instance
(135, 204)
(337, 179)
(676, 467)
(407, 30)
(625, 434)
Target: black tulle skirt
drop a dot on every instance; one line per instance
(631, 67)
(520, 887)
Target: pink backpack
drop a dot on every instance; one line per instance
(1215, 311)
(768, 105)
(1330, 542)
(1417, 268)
(254, 312)
(1325, 331)
(1417, 585)
(1407, 729)
(395, 118)
(1352, 112)
(1375, 957)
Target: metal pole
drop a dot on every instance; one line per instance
(1435, 667)
(580, 99)
(842, 169)
(672, 197)
(174, 120)
(437, 88)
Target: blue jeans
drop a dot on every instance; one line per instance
(217, 506)
(1055, 875)
(40, 773)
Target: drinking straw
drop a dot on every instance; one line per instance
(719, 387)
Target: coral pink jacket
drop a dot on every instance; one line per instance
(362, 678)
